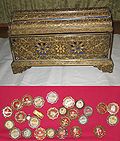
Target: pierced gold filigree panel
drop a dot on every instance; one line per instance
(65, 46)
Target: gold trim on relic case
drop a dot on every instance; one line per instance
(52, 113)
(34, 122)
(40, 133)
(113, 108)
(76, 132)
(62, 133)
(52, 97)
(15, 133)
(101, 108)
(26, 133)
(38, 114)
(50, 132)
(112, 120)
(88, 111)
(68, 102)
(20, 116)
(16, 104)
(38, 102)
(99, 131)
(27, 100)
(7, 112)
(9, 124)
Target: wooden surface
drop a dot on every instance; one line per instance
(4, 29)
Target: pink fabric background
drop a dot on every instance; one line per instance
(91, 96)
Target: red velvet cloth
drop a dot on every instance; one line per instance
(91, 96)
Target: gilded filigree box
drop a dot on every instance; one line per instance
(61, 37)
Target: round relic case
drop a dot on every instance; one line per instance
(65, 121)
(62, 133)
(99, 131)
(53, 113)
(101, 108)
(62, 110)
(20, 116)
(7, 112)
(83, 119)
(76, 132)
(16, 104)
(39, 102)
(73, 113)
(52, 97)
(9, 124)
(68, 102)
(112, 120)
(15, 133)
(50, 132)
(26, 133)
(27, 100)
(79, 104)
(113, 108)
(88, 111)
(34, 122)
(40, 133)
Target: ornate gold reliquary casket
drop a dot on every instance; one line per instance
(60, 38)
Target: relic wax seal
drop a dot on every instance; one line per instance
(68, 102)
(52, 97)
(20, 116)
(99, 131)
(27, 100)
(15, 133)
(88, 111)
(26, 133)
(39, 102)
(40, 133)
(34, 122)
(9, 124)
(7, 112)
(101, 108)
(53, 113)
(75, 131)
(113, 108)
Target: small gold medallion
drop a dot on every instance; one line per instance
(7, 112)
(112, 120)
(9, 124)
(34, 122)
(40, 133)
(53, 113)
(50, 132)
(39, 102)
(20, 116)
(15, 133)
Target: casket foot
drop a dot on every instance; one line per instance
(19, 67)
